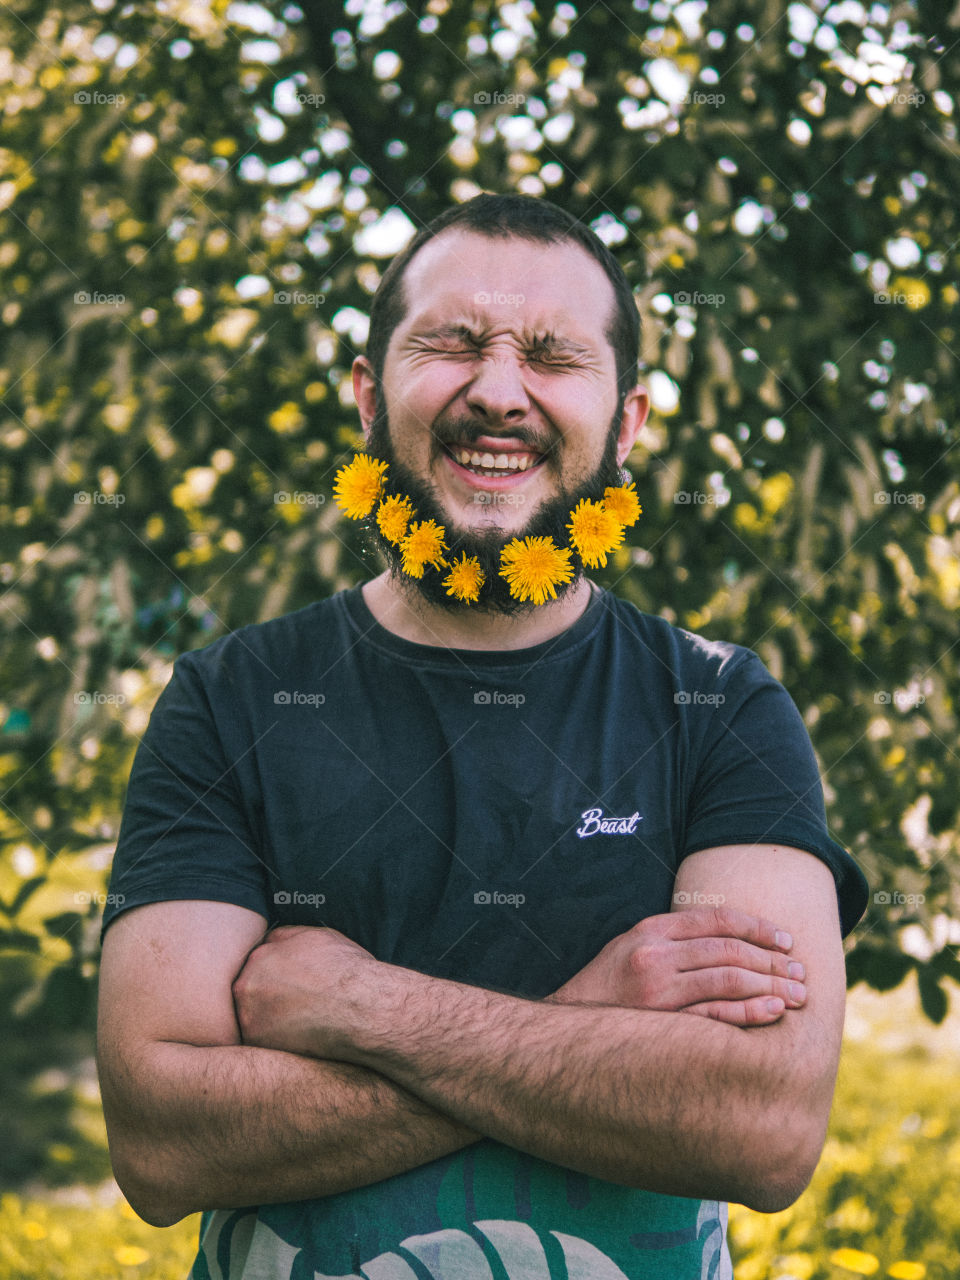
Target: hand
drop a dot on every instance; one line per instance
(719, 963)
(301, 989)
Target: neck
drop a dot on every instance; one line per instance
(401, 609)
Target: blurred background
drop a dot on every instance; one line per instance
(197, 200)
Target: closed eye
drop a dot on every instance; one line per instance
(451, 349)
(551, 357)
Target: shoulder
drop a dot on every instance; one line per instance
(265, 652)
(685, 653)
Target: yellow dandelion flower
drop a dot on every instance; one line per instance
(465, 578)
(623, 503)
(131, 1255)
(393, 516)
(593, 532)
(907, 1271)
(534, 568)
(357, 486)
(855, 1260)
(423, 545)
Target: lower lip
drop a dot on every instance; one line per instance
(509, 481)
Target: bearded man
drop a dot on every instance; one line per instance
(472, 923)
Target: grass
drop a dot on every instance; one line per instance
(52, 1240)
(885, 1199)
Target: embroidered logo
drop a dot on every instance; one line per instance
(594, 823)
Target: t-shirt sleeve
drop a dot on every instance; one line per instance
(185, 831)
(756, 782)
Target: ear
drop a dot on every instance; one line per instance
(365, 393)
(636, 406)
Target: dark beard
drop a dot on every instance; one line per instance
(550, 520)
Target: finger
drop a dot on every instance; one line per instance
(728, 922)
(731, 984)
(758, 1012)
(706, 953)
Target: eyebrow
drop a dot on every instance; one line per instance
(544, 339)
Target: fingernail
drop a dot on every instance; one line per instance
(774, 1006)
(784, 940)
(795, 970)
(797, 991)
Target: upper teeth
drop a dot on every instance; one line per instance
(495, 462)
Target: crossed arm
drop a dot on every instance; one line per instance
(605, 1076)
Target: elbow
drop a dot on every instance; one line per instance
(152, 1198)
(785, 1158)
(776, 1192)
(155, 1214)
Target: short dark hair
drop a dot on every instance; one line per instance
(528, 218)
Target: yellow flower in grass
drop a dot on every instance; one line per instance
(907, 1271)
(465, 578)
(423, 545)
(534, 568)
(357, 486)
(594, 531)
(855, 1260)
(393, 516)
(131, 1255)
(623, 503)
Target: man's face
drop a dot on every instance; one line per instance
(499, 400)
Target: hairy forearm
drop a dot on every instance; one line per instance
(208, 1127)
(664, 1101)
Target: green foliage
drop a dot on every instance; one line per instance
(188, 201)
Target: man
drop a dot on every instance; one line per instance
(559, 966)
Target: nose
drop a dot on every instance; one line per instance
(497, 393)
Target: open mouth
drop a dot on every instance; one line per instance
(483, 462)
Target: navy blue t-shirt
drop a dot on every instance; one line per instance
(490, 817)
